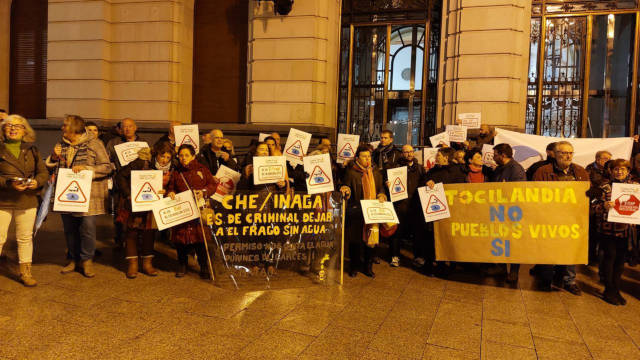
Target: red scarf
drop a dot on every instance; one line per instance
(370, 233)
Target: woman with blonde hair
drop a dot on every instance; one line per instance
(22, 175)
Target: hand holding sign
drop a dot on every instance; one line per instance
(146, 186)
(73, 191)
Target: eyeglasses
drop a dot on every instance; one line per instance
(564, 153)
(15, 126)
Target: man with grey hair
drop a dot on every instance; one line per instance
(562, 169)
(216, 155)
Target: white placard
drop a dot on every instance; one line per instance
(262, 137)
(228, 183)
(398, 183)
(470, 120)
(374, 144)
(73, 191)
(487, 156)
(320, 178)
(376, 212)
(429, 157)
(145, 185)
(434, 203)
(347, 146)
(457, 133)
(440, 139)
(187, 134)
(268, 169)
(169, 213)
(296, 147)
(418, 155)
(626, 198)
(128, 151)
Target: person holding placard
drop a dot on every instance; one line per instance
(362, 181)
(22, 174)
(216, 154)
(190, 175)
(613, 236)
(140, 230)
(79, 152)
(247, 183)
(386, 155)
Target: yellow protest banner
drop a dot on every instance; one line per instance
(515, 222)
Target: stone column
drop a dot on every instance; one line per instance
(484, 61)
(293, 64)
(5, 52)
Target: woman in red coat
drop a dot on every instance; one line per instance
(188, 237)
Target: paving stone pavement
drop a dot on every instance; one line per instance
(399, 315)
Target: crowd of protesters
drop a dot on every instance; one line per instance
(24, 172)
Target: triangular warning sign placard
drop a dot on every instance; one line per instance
(188, 140)
(295, 149)
(318, 177)
(435, 205)
(146, 194)
(397, 187)
(346, 151)
(225, 186)
(72, 193)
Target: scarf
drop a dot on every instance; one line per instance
(371, 232)
(164, 168)
(475, 174)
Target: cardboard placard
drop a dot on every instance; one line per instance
(145, 185)
(320, 179)
(434, 203)
(440, 139)
(268, 169)
(470, 120)
(347, 146)
(376, 212)
(73, 191)
(169, 213)
(457, 133)
(398, 183)
(263, 136)
(228, 183)
(626, 199)
(128, 151)
(429, 157)
(487, 156)
(297, 145)
(187, 134)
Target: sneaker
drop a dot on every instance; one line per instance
(395, 261)
(418, 262)
(573, 288)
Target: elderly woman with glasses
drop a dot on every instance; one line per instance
(22, 174)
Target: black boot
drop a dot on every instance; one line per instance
(368, 271)
(610, 296)
(182, 270)
(204, 271)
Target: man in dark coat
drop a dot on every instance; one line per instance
(386, 155)
(508, 170)
(598, 176)
(537, 165)
(362, 238)
(409, 211)
(562, 169)
(216, 155)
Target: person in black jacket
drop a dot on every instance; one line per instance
(386, 155)
(362, 181)
(412, 224)
(216, 155)
(537, 165)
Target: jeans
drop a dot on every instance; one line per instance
(80, 233)
(24, 231)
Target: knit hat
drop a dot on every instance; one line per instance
(144, 154)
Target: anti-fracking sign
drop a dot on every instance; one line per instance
(320, 176)
(434, 203)
(296, 146)
(145, 185)
(398, 183)
(73, 191)
(187, 134)
(626, 204)
(347, 146)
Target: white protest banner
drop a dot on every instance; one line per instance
(169, 213)
(457, 133)
(187, 134)
(374, 144)
(320, 175)
(398, 183)
(296, 146)
(419, 156)
(145, 185)
(440, 139)
(128, 151)
(347, 146)
(262, 137)
(487, 156)
(73, 191)
(229, 180)
(434, 203)
(376, 212)
(268, 169)
(429, 157)
(470, 120)
(528, 149)
(626, 199)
